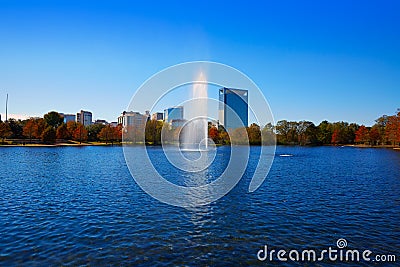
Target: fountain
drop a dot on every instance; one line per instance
(195, 131)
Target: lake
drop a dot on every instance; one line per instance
(80, 206)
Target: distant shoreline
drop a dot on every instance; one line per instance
(120, 144)
(61, 145)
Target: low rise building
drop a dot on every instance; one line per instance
(68, 117)
(103, 122)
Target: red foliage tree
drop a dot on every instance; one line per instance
(41, 126)
(106, 134)
(80, 133)
(374, 135)
(335, 137)
(71, 126)
(213, 133)
(62, 132)
(392, 130)
(118, 133)
(30, 129)
(398, 127)
(362, 134)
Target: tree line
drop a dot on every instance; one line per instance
(385, 132)
(51, 128)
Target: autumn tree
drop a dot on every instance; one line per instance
(118, 132)
(5, 131)
(335, 137)
(62, 132)
(71, 126)
(374, 135)
(392, 130)
(224, 137)
(398, 126)
(80, 133)
(213, 134)
(344, 132)
(106, 134)
(41, 126)
(30, 129)
(362, 134)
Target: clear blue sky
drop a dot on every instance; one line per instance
(314, 60)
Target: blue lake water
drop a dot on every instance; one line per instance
(80, 206)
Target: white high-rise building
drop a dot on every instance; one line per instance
(84, 117)
(131, 118)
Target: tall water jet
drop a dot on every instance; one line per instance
(195, 131)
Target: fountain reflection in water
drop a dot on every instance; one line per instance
(195, 131)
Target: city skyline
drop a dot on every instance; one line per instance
(313, 61)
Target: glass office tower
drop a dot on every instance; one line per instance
(237, 100)
(174, 113)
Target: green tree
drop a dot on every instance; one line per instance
(293, 132)
(93, 131)
(324, 132)
(254, 134)
(306, 131)
(53, 119)
(282, 130)
(153, 132)
(5, 131)
(239, 136)
(49, 135)
(16, 128)
(350, 132)
(268, 135)
(310, 135)
(380, 126)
